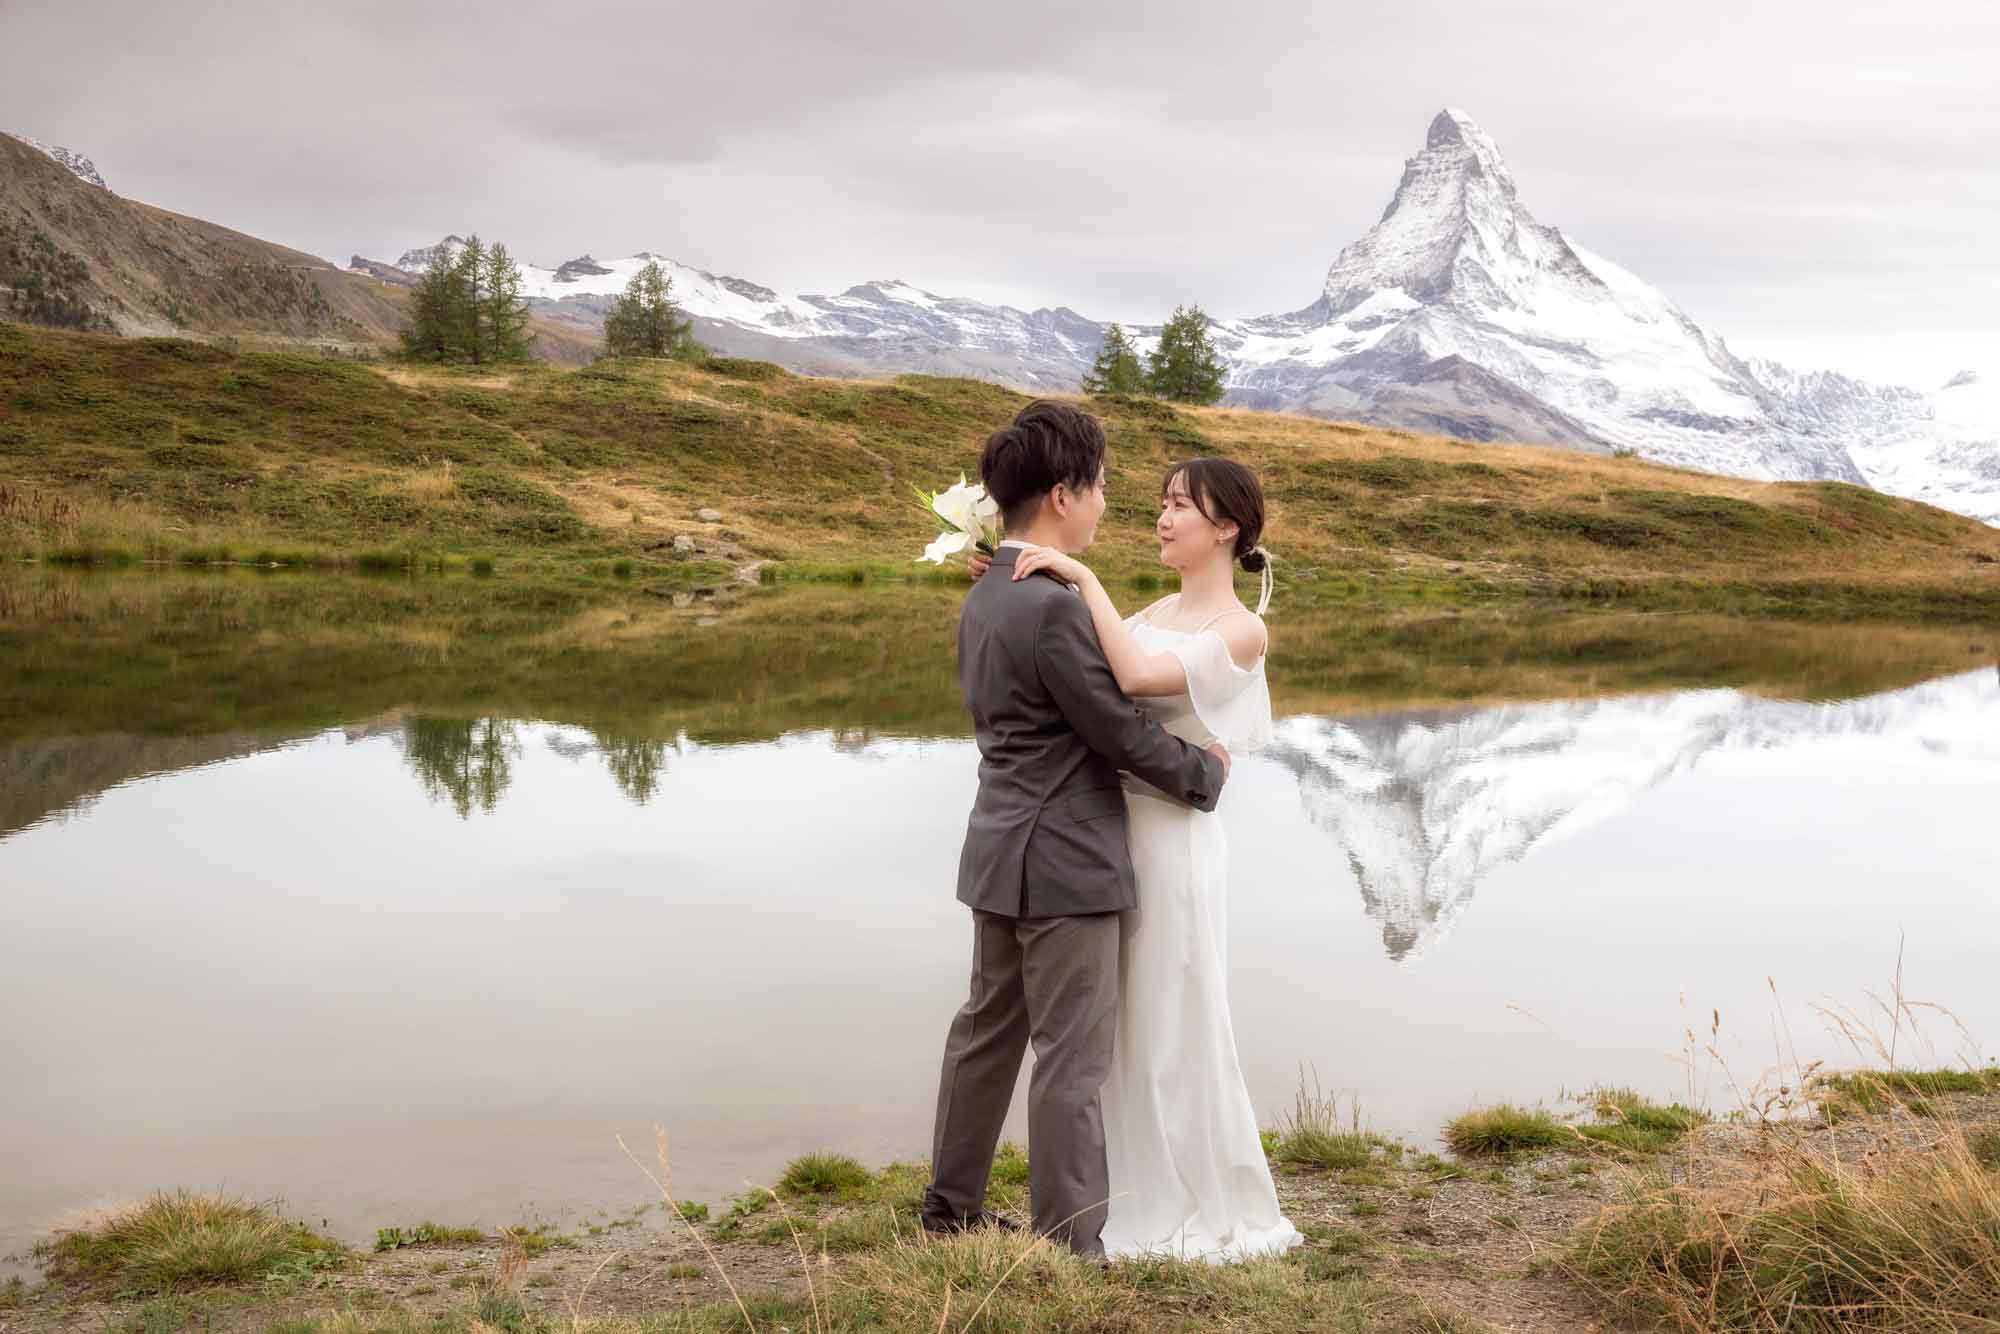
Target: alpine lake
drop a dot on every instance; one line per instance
(405, 898)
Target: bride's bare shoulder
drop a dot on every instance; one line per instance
(1246, 635)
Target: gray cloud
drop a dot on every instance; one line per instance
(1811, 174)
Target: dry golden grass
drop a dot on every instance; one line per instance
(1907, 1238)
(1888, 1221)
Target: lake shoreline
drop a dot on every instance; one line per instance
(1470, 1242)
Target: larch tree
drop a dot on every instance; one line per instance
(645, 321)
(1117, 369)
(1185, 366)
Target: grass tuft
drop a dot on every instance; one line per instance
(183, 1239)
(824, 1174)
(1627, 1120)
(1312, 1135)
(1494, 1131)
(427, 1233)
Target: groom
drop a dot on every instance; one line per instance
(1045, 868)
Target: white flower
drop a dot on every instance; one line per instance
(948, 544)
(959, 506)
(971, 518)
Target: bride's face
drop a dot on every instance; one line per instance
(1187, 537)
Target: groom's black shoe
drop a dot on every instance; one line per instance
(945, 1224)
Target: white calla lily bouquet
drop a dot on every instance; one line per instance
(970, 516)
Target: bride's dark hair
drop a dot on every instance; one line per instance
(1226, 492)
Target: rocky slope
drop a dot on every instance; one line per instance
(74, 254)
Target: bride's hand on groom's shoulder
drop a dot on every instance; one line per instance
(1066, 568)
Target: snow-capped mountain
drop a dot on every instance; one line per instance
(77, 164)
(419, 260)
(1424, 808)
(871, 327)
(1459, 313)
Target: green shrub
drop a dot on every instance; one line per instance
(745, 368)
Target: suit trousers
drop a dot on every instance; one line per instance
(1052, 981)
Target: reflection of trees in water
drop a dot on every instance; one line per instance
(634, 761)
(469, 761)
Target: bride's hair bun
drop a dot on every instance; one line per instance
(1256, 561)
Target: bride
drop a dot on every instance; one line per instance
(1187, 1169)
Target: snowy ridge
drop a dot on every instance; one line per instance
(888, 324)
(1424, 808)
(78, 165)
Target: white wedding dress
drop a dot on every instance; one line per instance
(1188, 1174)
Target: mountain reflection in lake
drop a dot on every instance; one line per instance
(1423, 807)
(426, 966)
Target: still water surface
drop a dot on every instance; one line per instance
(418, 967)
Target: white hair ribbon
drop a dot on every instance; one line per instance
(1265, 582)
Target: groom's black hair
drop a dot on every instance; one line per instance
(1048, 442)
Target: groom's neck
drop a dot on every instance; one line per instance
(1042, 535)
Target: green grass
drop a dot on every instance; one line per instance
(538, 1239)
(1626, 1120)
(427, 1233)
(182, 1239)
(164, 450)
(1505, 1129)
(1312, 1135)
(1871, 1092)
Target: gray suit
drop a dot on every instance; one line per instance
(1045, 870)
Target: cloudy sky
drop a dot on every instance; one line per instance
(1814, 179)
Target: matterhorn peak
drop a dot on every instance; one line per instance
(1455, 232)
(1963, 378)
(1452, 126)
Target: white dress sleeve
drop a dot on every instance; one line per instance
(1233, 703)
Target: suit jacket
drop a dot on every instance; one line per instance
(1047, 833)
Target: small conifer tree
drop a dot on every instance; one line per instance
(431, 313)
(1185, 366)
(1117, 369)
(506, 313)
(645, 322)
(468, 316)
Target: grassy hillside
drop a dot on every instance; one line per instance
(168, 449)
